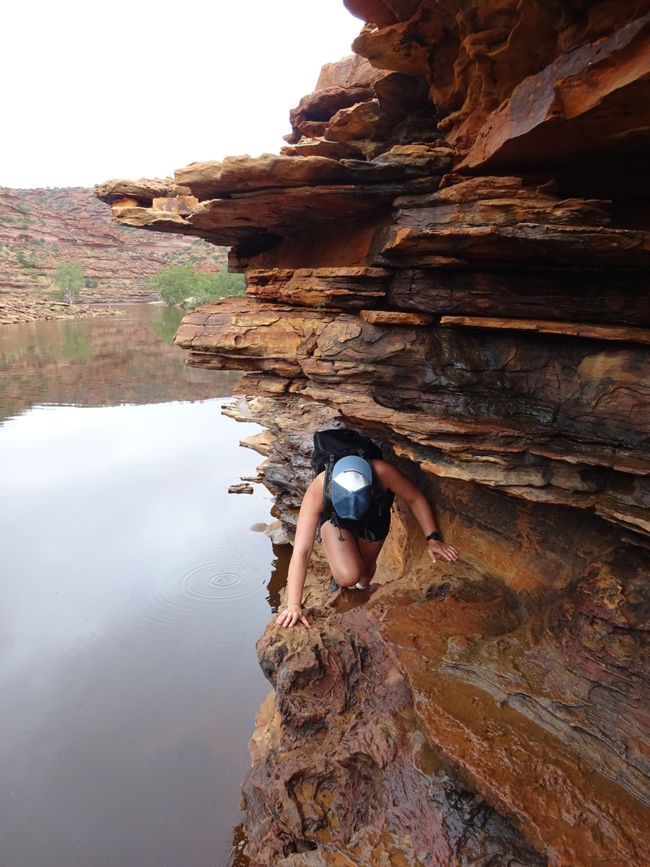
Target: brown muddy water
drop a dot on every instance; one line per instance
(131, 597)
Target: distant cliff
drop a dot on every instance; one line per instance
(41, 227)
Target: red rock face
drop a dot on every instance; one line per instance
(379, 791)
(530, 63)
(452, 255)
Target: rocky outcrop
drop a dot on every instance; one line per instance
(368, 784)
(509, 78)
(40, 228)
(451, 254)
(517, 673)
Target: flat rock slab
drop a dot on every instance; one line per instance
(211, 180)
(280, 210)
(573, 329)
(346, 287)
(532, 243)
(240, 489)
(394, 317)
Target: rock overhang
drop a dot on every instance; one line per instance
(466, 280)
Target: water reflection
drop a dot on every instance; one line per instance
(279, 577)
(238, 858)
(165, 325)
(127, 358)
(132, 596)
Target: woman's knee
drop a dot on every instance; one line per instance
(347, 574)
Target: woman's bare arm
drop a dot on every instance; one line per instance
(302, 547)
(397, 482)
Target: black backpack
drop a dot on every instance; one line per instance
(331, 445)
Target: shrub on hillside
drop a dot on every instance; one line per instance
(69, 280)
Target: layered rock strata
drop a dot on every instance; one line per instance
(451, 254)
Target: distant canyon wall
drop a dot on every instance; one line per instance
(41, 227)
(451, 253)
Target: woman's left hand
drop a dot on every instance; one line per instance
(441, 550)
(291, 615)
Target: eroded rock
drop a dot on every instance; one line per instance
(452, 256)
(371, 784)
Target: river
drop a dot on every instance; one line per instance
(132, 594)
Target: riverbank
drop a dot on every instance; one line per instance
(16, 309)
(41, 228)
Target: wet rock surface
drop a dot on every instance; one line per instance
(373, 785)
(451, 254)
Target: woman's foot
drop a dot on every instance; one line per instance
(334, 587)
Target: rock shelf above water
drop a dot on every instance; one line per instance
(451, 253)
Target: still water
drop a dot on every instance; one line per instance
(132, 595)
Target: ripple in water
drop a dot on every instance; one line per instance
(199, 601)
(205, 593)
(212, 582)
(197, 584)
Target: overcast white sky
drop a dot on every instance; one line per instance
(138, 88)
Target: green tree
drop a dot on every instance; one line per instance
(178, 283)
(173, 283)
(224, 283)
(69, 280)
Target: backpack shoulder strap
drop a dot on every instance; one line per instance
(327, 508)
(382, 497)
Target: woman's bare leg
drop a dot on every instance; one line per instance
(343, 554)
(369, 553)
(351, 559)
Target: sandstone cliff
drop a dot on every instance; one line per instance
(451, 253)
(40, 228)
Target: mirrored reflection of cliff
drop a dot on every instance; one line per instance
(93, 363)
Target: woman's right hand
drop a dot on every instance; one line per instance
(290, 616)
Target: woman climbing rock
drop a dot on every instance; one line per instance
(348, 506)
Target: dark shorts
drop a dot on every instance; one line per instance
(375, 530)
